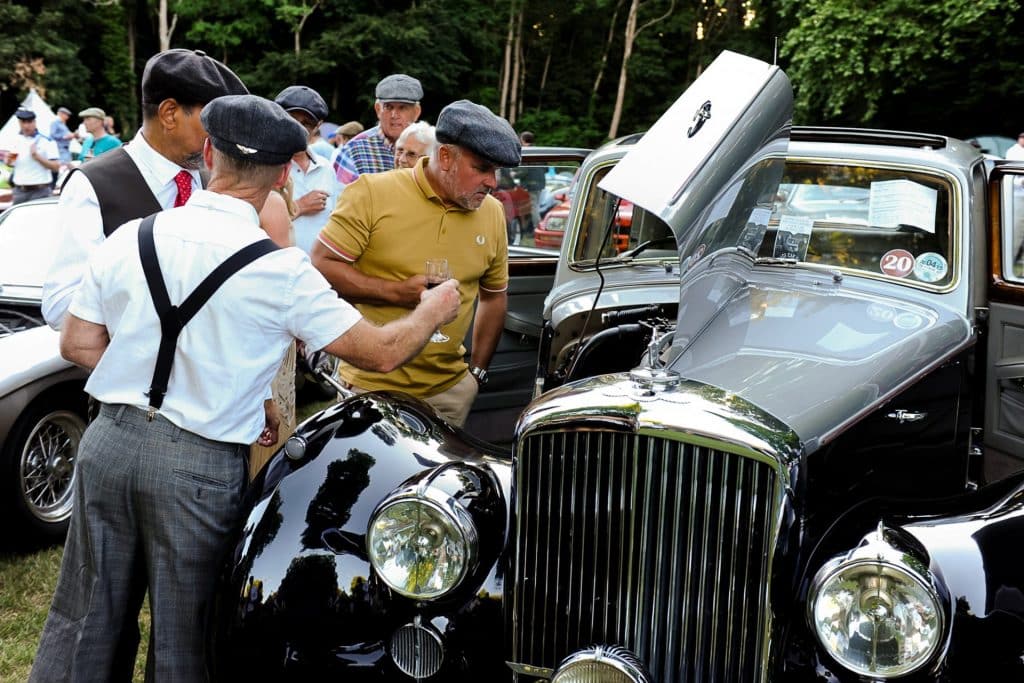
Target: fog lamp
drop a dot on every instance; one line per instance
(421, 543)
(601, 664)
(877, 612)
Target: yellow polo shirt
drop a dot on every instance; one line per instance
(387, 225)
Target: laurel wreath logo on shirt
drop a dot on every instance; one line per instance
(480, 240)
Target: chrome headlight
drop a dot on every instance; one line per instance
(601, 664)
(877, 611)
(422, 542)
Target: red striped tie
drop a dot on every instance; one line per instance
(184, 182)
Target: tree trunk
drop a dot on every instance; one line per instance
(604, 59)
(506, 68)
(517, 63)
(629, 37)
(166, 31)
(302, 24)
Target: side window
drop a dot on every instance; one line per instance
(1013, 228)
(537, 196)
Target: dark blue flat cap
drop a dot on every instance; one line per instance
(253, 128)
(479, 130)
(303, 99)
(25, 114)
(188, 76)
(399, 88)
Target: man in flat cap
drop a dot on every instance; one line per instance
(385, 227)
(98, 140)
(156, 170)
(162, 469)
(373, 150)
(315, 187)
(33, 159)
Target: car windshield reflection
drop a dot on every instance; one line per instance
(881, 222)
(28, 239)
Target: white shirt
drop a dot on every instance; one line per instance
(28, 171)
(81, 222)
(319, 175)
(1015, 152)
(229, 352)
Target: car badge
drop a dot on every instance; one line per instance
(701, 115)
(480, 240)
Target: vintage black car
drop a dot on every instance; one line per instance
(778, 438)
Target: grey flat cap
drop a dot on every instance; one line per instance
(253, 128)
(94, 112)
(479, 130)
(25, 114)
(64, 110)
(399, 88)
(303, 99)
(189, 76)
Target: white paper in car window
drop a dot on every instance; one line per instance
(793, 237)
(902, 202)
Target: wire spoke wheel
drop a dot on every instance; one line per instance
(46, 468)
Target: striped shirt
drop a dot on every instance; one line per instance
(368, 152)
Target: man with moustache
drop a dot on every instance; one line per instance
(373, 150)
(374, 247)
(157, 170)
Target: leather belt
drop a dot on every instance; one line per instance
(30, 188)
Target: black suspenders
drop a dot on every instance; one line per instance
(174, 318)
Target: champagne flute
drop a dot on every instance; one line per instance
(437, 272)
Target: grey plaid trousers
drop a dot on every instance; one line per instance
(155, 507)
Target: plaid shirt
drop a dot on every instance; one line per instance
(368, 152)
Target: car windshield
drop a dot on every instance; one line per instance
(885, 222)
(28, 239)
(890, 223)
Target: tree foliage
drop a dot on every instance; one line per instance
(896, 63)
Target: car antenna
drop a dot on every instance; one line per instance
(597, 269)
(775, 52)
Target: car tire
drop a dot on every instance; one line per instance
(515, 232)
(38, 463)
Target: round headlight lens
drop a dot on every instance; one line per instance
(876, 618)
(601, 664)
(418, 549)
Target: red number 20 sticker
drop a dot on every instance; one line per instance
(897, 263)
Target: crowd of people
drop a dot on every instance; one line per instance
(177, 286)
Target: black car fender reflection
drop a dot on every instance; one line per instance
(298, 595)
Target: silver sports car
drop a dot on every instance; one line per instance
(42, 405)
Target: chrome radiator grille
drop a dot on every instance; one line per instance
(660, 546)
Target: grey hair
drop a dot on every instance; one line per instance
(422, 131)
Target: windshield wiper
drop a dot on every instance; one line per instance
(631, 253)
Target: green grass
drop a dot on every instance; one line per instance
(27, 581)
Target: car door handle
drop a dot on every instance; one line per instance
(903, 416)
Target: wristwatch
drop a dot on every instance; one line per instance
(479, 374)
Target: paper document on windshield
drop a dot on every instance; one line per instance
(902, 202)
(653, 173)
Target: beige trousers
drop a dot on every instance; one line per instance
(453, 404)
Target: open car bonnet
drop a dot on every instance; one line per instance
(705, 141)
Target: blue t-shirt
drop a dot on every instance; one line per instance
(93, 148)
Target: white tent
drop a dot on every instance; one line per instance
(44, 117)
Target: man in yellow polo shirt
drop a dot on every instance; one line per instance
(374, 249)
